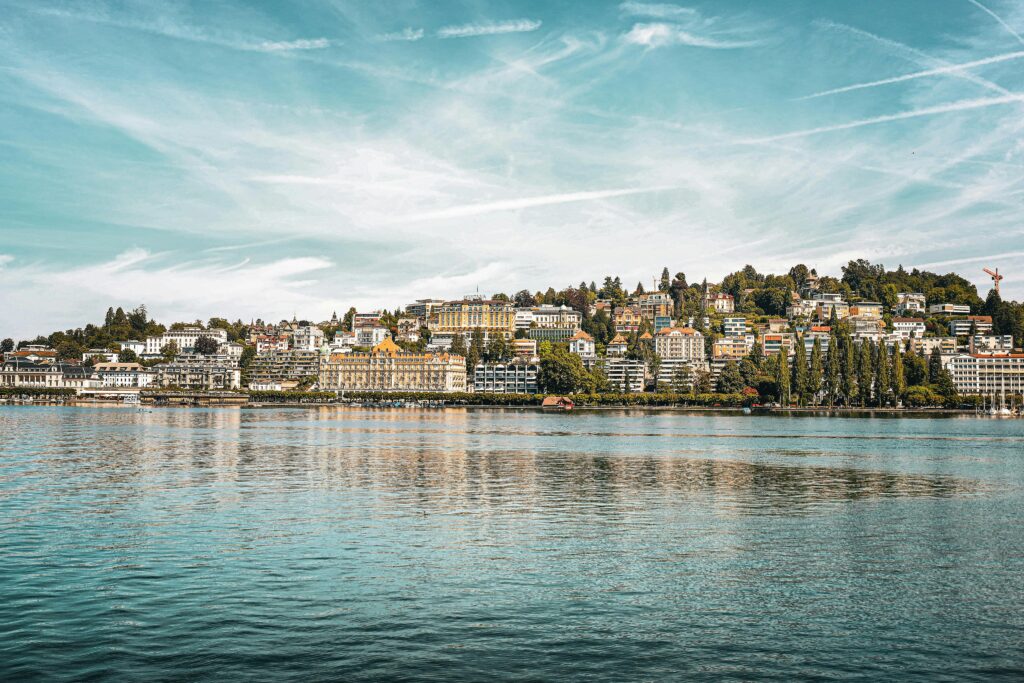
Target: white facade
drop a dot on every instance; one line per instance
(583, 345)
(371, 336)
(910, 302)
(626, 375)
(131, 375)
(961, 328)
(506, 378)
(981, 343)
(548, 317)
(734, 327)
(904, 327)
(679, 342)
(949, 309)
(988, 374)
(309, 338)
(184, 338)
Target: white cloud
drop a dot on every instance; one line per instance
(288, 45)
(656, 10)
(406, 34)
(662, 34)
(489, 29)
(5, 259)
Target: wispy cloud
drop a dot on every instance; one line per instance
(489, 29)
(962, 105)
(1001, 256)
(656, 10)
(951, 69)
(661, 35)
(995, 16)
(529, 202)
(5, 259)
(407, 34)
(287, 45)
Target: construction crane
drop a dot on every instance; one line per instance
(996, 277)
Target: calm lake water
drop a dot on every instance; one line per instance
(358, 544)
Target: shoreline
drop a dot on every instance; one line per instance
(821, 411)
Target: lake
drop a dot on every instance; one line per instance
(489, 544)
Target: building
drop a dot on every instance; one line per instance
(198, 376)
(949, 309)
(655, 304)
(33, 353)
(371, 335)
(910, 302)
(972, 324)
(34, 374)
(506, 378)
(721, 303)
(625, 375)
(802, 308)
(367, 319)
(866, 310)
(990, 374)
(185, 339)
(824, 308)
(582, 344)
(282, 367)
(679, 342)
(732, 348)
(524, 348)
(491, 316)
(627, 319)
(387, 368)
(981, 343)
(549, 317)
(307, 338)
(135, 346)
(266, 343)
(617, 346)
(777, 342)
(734, 326)
(424, 308)
(908, 327)
(661, 322)
(124, 375)
(104, 354)
(822, 335)
(945, 345)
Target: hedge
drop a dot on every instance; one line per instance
(36, 391)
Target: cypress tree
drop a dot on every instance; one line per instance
(832, 372)
(883, 374)
(935, 366)
(848, 372)
(898, 381)
(782, 376)
(816, 372)
(800, 371)
(865, 371)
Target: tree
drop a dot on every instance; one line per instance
(458, 345)
(562, 372)
(523, 299)
(816, 372)
(730, 381)
(682, 378)
(934, 366)
(848, 374)
(497, 350)
(883, 374)
(782, 377)
(865, 371)
(6, 345)
(349, 319)
(831, 382)
(476, 349)
(897, 379)
(206, 346)
(799, 384)
(127, 356)
(248, 356)
(701, 382)
(169, 350)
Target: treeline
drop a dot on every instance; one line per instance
(468, 398)
(36, 392)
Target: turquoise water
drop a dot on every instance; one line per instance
(455, 545)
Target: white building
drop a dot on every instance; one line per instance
(548, 317)
(628, 376)
(506, 378)
(185, 339)
(127, 375)
(679, 342)
(910, 302)
(734, 327)
(981, 324)
(371, 336)
(949, 309)
(138, 347)
(907, 327)
(107, 356)
(981, 343)
(308, 338)
(988, 374)
(582, 344)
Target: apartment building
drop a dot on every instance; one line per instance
(981, 343)
(679, 342)
(185, 339)
(506, 378)
(124, 375)
(949, 309)
(991, 374)
(307, 338)
(908, 327)
(582, 344)
(283, 367)
(980, 324)
(625, 375)
(910, 302)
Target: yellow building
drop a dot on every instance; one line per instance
(466, 315)
(388, 368)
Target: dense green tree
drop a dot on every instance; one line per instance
(206, 346)
(682, 378)
(782, 378)
(562, 372)
(897, 378)
(666, 281)
(701, 382)
(882, 375)
(6, 345)
(934, 366)
(169, 351)
(730, 381)
(127, 356)
(248, 356)
(458, 346)
(831, 384)
(848, 372)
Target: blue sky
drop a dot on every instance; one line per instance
(264, 159)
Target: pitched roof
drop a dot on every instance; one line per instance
(646, 335)
(671, 330)
(581, 335)
(618, 339)
(387, 347)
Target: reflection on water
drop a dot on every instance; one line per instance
(463, 544)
